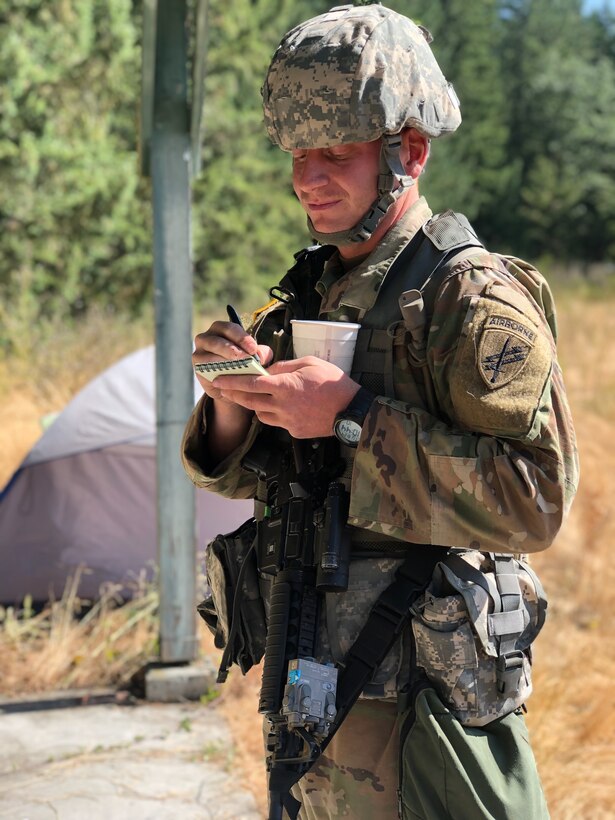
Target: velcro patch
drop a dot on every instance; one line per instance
(503, 350)
(499, 370)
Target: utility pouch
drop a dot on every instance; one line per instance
(234, 611)
(473, 629)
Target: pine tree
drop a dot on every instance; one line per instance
(247, 223)
(561, 102)
(468, 170)
(73, 213)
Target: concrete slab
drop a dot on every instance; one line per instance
(110, 762)
(174, 684)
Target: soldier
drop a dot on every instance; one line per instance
(453, 423)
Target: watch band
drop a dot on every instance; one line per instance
(359, 405)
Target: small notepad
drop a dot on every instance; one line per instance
(239, 367)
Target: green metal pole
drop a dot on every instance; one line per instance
(170, 171)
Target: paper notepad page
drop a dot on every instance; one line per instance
(238, 367)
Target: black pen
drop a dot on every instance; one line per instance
(235, 319)
(234, 316)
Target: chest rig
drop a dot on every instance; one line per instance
(404, 305)
(400, 315)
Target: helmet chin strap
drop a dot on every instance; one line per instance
(392, 183)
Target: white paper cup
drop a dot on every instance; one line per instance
(332, 341)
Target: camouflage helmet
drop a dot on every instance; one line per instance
(354, 74)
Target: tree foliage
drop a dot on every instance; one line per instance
(533, 164)
(73, 212)
(246, 222)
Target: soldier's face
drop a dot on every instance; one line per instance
(337, 185)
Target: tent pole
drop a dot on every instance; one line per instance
(170, 171)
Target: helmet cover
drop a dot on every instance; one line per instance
(352, 75)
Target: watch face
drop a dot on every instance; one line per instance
(348, 431)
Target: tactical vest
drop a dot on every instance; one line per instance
(404, 307)
(401, 315)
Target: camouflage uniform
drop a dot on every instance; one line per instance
(474, 448)
(449, 460)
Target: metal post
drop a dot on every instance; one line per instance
(170, 171)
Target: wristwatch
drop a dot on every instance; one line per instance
(348, 423)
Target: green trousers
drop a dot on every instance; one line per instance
(448, 771)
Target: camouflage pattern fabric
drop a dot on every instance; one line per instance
(492, 466)
(452, 458)
(470, 487)
(352, 75)
(344, 616)
(449, 459)
(356, 777)
(449, 771)
(456, 644)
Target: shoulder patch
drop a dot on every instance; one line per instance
(500, 370)
(503, 350)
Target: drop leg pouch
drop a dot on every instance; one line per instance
(473, 629)
(453, 772)
(234, 610)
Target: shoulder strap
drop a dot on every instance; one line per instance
(386, 620)
(442, 242)
(443, 239)
(297, 288)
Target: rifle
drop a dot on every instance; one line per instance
(303, 542)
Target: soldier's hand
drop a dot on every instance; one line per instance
(225, 340)
(301, 395)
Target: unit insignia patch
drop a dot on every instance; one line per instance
(503, 351)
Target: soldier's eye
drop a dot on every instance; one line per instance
(339, 153)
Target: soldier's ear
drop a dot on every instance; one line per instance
(414, 151)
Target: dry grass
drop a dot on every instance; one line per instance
(572, 712)
(53, 649)
(239, 704)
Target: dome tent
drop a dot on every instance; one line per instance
(85, 495)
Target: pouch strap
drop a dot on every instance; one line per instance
(508, 625)
(508, 620)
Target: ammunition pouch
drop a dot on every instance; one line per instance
(234, 611)
(473, 628)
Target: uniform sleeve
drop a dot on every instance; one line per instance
(227, 478)
(495, 466)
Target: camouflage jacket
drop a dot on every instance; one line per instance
(476, 448)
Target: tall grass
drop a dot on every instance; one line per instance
(71, 645)
(572, 712)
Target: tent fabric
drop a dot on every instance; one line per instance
(86, 493)
(116, 407)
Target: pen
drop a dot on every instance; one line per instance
(233, 315)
